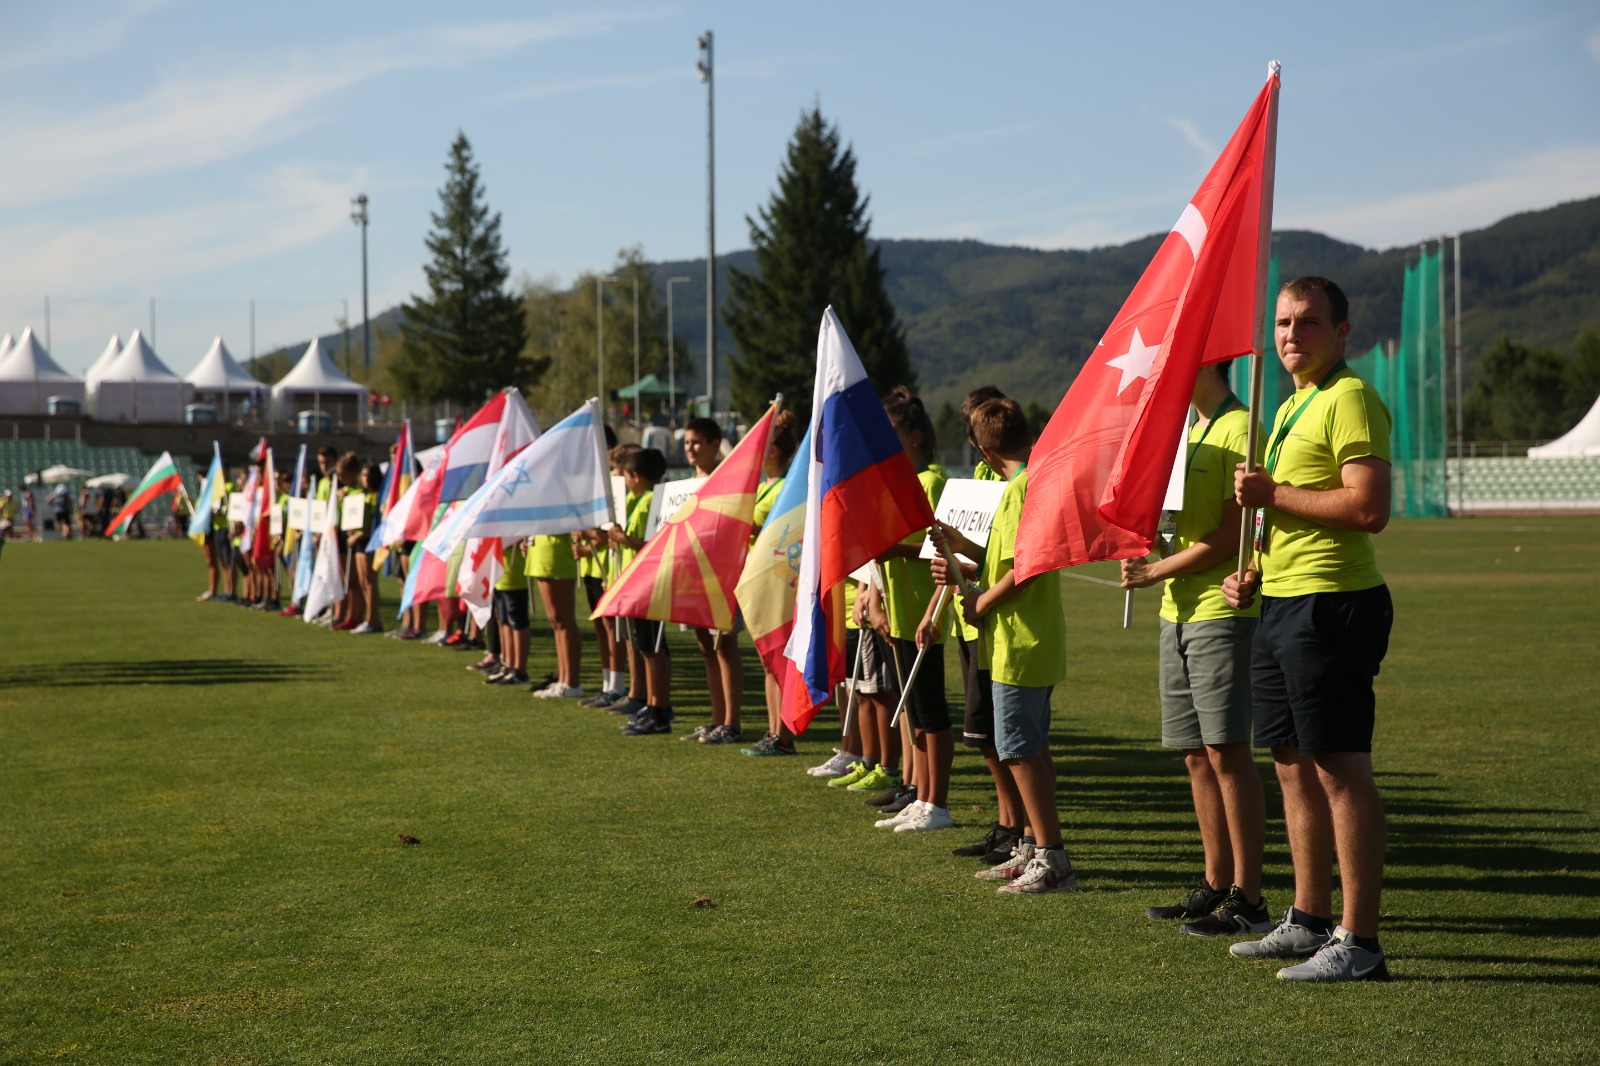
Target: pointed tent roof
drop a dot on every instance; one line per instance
(5, 345)
(137, 362)
(217, 371)
(28, 361)
(112, 349)
(1581, 439)
(315, 372)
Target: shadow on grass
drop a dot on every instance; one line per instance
(1578, 971)
(158, 672)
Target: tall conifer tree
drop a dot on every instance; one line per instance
(811, 251)
(466, 339)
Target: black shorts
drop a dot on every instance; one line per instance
(511, 607)
(644, 634)
(977, 728)
(1311, 669)
(929, 710)
(594, 588)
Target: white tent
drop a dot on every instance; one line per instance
(218, 378)
(29, 377)
(315, 384)
(1582, 439)
(108, 356)
(137, 385)
(5, 344)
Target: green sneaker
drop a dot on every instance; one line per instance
(850, 776)
(876, 778)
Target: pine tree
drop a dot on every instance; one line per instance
(467, 338)
(811, 251)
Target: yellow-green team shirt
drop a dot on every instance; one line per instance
(1214, 453)
(908, 583)
(638, 519)
(550, 558)
(969, 633)
(1344, 420)
(515, 573)
(1025, 635)
(766, 496)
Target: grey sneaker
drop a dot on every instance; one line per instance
(1232, 917)
(698, 733)
(1048, 871)
(1201, 901)
(1339, 960)
(723, 734)
(1289, 940)
(1012, 868)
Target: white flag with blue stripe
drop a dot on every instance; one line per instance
(557, 484)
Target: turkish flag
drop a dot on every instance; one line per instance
(1099, 471)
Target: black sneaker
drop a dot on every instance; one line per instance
(1004, 850)
(652, 720)
(1201, 901)
(990, 841)
(1232, 916)
(627, 705)
(883, 799)
(902, 801)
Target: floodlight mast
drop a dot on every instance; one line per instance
(358, 215)
(704, 68)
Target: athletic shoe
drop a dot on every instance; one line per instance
(850, 776)
(875, 779)
(699, 732)
(1001, 852)
(542, 689)
(891, 795)
(410, 634)
(654, 720)
(556, 691)
(837, 765)
(770, 745)
(1339, 960)
(344, 627)
(921, 817)
(989, 842)
(291, 611)
(1290, 940)
(1049, 870)
(1201, 901)
(368, 627)
(1232, 917)
(507, 677)
(222, 597)
(894, 820)
(908, 796)
(439, 637)
(1011, 869)
(487, 663)
(603, 698)
(723, 734)
(626, 705)
(204, 596)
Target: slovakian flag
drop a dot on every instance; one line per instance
(1099, 472)
(200, 520)
(162, 479)
(862, 498)
(503, 423)
(686, 573)
(767, 587)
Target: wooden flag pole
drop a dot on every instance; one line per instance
(1247, 520)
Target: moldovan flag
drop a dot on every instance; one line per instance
(767, 587)
(1099, 471)
(862, 498)
(162, 479)
(200, 521)
(686, 573)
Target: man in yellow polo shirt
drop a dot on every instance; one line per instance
(1325, 621)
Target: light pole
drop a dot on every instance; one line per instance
(637, 407)
(703, 66)
(358, 215)
(599, 337)
(672, 362)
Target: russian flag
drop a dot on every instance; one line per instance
(862, 498)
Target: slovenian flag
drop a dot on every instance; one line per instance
(200, 520)
(162, 479)
(862, 498)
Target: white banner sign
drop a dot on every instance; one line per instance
(668, 497)
(1173, 501)
(275, 521)
(619, 501)
(299, 514)
(967, 506)
(353, 512)
(319, 515)
(238, 507)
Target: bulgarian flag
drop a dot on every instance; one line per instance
(686, 573)
(162, 479)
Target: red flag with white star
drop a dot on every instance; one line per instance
(1100, 469)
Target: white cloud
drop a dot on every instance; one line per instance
(581, 85)
(1192, 136)
(1528, 184)
(74, 42)
(1594, 46)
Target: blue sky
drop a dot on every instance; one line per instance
(202, 154)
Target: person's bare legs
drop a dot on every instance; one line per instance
(1212, 817)
(719, 706)
(730, 664)
(1035, 776)
(1008, 803)
(1309, 823)
(1244, 804)
(559, 597)
(935, 751)
(1360, 835)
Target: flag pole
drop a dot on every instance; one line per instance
(945, 594)
(1247, 520)
(850, 695)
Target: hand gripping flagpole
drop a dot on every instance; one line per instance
(1247, 519)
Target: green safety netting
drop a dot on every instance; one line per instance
(1415, 397)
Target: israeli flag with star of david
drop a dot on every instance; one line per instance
(558, 484)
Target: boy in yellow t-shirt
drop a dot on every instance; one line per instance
(1025, 647)
(642, 471)
(510, 600)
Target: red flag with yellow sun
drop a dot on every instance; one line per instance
(686, 573)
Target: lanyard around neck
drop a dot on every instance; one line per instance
(1283, 431)
(1195, 447)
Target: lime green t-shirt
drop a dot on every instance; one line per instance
(1025, 635)
(969, 633)
(908, 583)
(550, 558)
(638, 519)
(590, 565)
(766, 496)
(1215, 451)
(1342, 421)
(514, 576)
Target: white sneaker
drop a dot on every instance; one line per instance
(555, 690)
(548, 692)
(837, 765)
(437, 638)
(906, 813)
(931, 817)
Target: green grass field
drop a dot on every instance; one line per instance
(198, 856)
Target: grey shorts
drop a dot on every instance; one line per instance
(1205, 682)
(876, 676)
(1021, 720)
